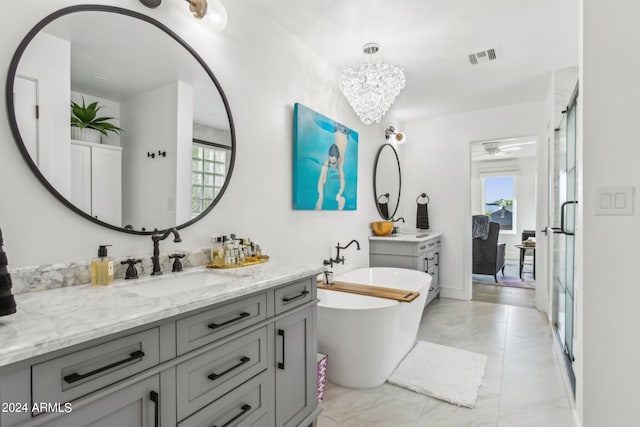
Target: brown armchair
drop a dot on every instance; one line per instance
(488, 255)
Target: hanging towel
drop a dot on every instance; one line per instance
(384, 210)
(7, 302)
(422, 216)
(480, 227)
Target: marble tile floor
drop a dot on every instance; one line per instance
(523, 384)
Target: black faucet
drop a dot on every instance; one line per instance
(338, 259)
(395, 228)
(156, 237)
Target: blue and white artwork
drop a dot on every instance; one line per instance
(325, 162)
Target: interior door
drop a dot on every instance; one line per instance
(563, 210)
(25, 95)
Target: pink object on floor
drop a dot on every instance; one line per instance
(322, 375)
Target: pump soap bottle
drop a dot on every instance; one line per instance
(102, 268)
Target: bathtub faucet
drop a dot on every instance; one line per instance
(338, 259)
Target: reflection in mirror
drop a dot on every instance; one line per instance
(387, 181)
(174, 156)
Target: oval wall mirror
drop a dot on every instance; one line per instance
(166, 154)
(387, 181)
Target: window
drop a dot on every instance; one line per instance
(499, 200)
(208, 171)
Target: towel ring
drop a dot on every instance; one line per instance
(383, 195)
(423, 195)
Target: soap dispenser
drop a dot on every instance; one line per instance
(102, 268)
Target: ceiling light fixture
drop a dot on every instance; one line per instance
(213, 9)
(371, 86)
(399, 137)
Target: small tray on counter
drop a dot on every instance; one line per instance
(258, 260)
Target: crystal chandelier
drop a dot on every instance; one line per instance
(371, 86)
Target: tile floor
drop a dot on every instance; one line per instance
(523, 385)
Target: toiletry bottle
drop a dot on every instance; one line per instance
(102, 268)
(219, 255)
(213, 248)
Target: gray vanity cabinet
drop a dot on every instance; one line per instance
(253, 363)
(295, 367)
(135, 406)
(413, 253)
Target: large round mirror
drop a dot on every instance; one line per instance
(387, 181)
(120, 119)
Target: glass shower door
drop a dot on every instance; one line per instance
(565, 177)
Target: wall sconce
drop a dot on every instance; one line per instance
(398, 137)
(213, 9)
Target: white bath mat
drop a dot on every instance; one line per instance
(446, 373)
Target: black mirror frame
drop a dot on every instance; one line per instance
(20, 143)
(375, 173)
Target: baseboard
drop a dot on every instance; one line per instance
(452, 293)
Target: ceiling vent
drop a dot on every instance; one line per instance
(482, 56)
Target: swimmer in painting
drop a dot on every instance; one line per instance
(334, 165)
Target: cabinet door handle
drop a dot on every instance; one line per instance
(300, 295)
(245, 408)
(281, 364)
(426, 269)
(72, 378)
(228, 322)
(437, 259)
(155, 398)
(215, 376)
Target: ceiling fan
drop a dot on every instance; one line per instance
(504, 148)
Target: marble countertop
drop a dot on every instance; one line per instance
(409, 236)
(54, 319)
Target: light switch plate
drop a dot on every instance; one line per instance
(615, 200)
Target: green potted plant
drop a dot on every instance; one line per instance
(86, 126)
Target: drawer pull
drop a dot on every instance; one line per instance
(155, 398)
(215, 376)
(422, 247)
(281, 364)
(72, 378)
(300, 295)
(220, 325)
(245, 408)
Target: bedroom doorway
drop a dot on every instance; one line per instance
(503, 180)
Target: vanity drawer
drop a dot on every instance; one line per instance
(73, 375)
(247, 405)
(293, 295)
(206, 327)
(207, 377)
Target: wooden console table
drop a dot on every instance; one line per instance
(523, 249)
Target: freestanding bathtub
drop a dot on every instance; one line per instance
(366, 337)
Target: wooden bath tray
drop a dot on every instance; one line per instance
(372, 291)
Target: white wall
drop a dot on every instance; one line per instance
(180, 153)
(437, 161)
(47, 59)
(261, 87)
(525, 172)
(610, 89)
(151, 121)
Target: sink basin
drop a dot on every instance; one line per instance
(172, 284)
(417, 236)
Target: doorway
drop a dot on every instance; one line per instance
(503, 193)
